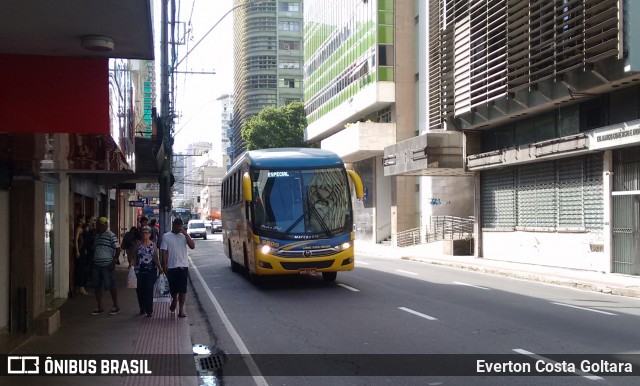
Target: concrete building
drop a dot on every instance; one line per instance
(360, 89)
(210, 181)
(179, 171)
(192, 159)
(546, 97)
(226, 117)
(268, 60)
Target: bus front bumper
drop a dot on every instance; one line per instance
(270, 264)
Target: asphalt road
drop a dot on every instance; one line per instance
(390, 308)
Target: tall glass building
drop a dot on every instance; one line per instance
(359, 89)
(268, 60)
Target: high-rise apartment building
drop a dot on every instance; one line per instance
(226, 119)
(268, 60)
(359, 91)
(547, 97)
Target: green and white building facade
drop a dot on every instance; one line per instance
(359, 92)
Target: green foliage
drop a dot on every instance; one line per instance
(276, 127)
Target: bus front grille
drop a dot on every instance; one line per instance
(306, 253)
(307, 264)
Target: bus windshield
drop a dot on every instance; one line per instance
(305, 202)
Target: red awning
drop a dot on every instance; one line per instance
(49, 94)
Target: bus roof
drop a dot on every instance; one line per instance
(293, 158)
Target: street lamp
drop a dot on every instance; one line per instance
(248, 2)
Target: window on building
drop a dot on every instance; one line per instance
(290, 83)
(289, 64)
(289, 26)
(289, 45)
(386, 55)
(290, 7)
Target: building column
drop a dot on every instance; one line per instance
(607, 229)
(63, 222)
(5, 260)
(404, 211)
(477, 214)
(27, 253)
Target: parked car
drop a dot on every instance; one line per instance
(216, 226)
(196, 228)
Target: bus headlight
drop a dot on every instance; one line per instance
(346, 245)
(265, 249)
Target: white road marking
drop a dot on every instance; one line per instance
(470, 285)
(540, 357)
(407, 272)
(583, 308)
(348, 287)
(251, 364)
(409, 310)
(358, 262)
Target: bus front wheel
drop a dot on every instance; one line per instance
(329, 276)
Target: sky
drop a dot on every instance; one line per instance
(195, 94)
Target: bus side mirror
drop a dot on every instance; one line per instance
(357, 183)
(246, 187)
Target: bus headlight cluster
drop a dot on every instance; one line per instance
(265, 249)
(346, 245)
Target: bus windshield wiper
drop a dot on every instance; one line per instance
(295, 223)
(312, 209)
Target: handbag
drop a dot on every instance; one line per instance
(132, 280)
(162, 287)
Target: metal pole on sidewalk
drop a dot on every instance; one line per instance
(166, 120)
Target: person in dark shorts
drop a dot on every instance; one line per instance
(106, 251)
(175, 262)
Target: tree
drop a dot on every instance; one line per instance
(276, 127)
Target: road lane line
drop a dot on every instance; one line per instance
(409, 310)
(361, 262)
(348, 287)
(584, 308)
(251, 364)
(407, 272)
(470, 285)
(545, 359)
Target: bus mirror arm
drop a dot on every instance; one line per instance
(357, 183)
(246, 187)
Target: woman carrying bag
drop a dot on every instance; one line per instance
(146, 264)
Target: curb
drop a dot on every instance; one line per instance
(566, 282)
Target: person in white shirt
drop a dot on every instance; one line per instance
(175, 263)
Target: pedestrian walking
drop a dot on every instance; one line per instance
(146, 265)
(154, 231)
(143, 223)
(80, 257)
(106, 251)
(175, 262)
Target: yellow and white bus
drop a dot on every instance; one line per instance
(288, 211)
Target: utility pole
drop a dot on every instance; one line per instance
(167, 122)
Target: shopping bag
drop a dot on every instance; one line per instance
(132, 280)
(162, 287)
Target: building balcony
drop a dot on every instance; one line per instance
(361, 140)
(369, 99)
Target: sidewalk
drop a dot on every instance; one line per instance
(126, 333)
(610, 283)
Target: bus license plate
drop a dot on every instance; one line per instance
(307, 271)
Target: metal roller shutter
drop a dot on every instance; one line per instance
(564, 194)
